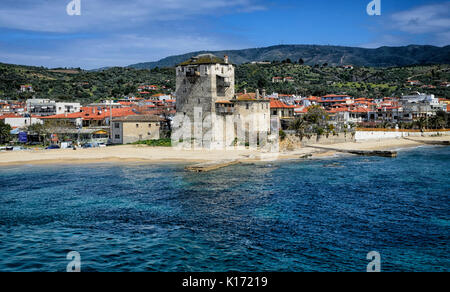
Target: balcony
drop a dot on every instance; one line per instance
(225, 110)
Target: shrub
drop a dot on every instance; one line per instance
(155, 143)
(282, 135)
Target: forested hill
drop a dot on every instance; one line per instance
(87, 86)
(319, 55)
(80, 85)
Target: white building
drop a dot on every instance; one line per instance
(46, 107)
(420, 98)
(22, 122)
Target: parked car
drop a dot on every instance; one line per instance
(89, 145)
(35, 143)
(52, 147)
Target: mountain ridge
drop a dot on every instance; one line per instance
(320, 54)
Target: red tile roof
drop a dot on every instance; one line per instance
(336, 100)
(303, 110)
(224, 102)
(337, 110)
(92, 113)
(6, 116)
(360, 110)
(278, 104)
(247, 96)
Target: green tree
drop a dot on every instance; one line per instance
(316, 115)
(422, 123)
(38, 129)
(437, 122)
(299, 126)
(5, 133)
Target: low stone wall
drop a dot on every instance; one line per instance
(392, 134)
(292, 142)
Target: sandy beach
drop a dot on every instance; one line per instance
(146, 154)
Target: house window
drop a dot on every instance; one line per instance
(137, 125)
(117, 125)
(117, 136)
(274, 113)
(247, 106)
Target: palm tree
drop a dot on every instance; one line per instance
(422, 123)
(330, 130)
(439, 122)
(299, 126)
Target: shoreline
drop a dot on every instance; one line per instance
(159, 155)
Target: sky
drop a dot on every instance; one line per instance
(124, 32)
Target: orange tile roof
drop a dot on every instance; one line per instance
(337, 110)
(278, 104)
(126, 102)
(92, 113)
(336, 100)
(247, 96)
(303, 110)
(360, 110)
(6, 116)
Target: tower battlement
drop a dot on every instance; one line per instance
(202, 81)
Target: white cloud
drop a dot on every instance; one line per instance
(433, 18)
(112, 32)
(101, 15)
(117, 50)
(427, 24)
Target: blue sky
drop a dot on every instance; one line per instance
(119, 33)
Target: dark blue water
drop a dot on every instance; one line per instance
(322, 215)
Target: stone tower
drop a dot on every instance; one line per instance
(201, 82)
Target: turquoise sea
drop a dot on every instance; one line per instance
(316, 215)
